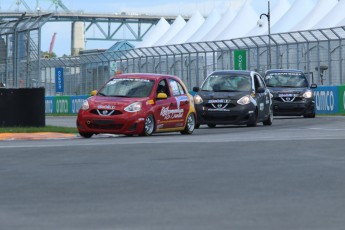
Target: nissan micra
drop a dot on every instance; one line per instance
(233, 97)
(139, 104)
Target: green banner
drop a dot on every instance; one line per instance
(240, 60)
(341, 97)
(61, 104)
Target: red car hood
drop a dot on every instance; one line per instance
(110, 103)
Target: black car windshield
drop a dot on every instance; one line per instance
(127, 87)
(227, 83)
(292, 80)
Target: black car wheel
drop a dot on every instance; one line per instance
(85, 135)
(312, 115)
(197, 126)
(149, 126)
(269, 120)
(190, 125)
(253, 121)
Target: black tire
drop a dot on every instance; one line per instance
(149, 126)
(253, 121)
(190, 125)
(312, 115)
(85, 135)
(269, 120)
(197, 126)
(211, 125)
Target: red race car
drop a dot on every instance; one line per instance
(138, 104)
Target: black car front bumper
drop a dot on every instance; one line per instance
(303, 107)
(236, 115)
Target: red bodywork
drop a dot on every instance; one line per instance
(108, 115)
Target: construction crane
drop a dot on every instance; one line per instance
(51, 47)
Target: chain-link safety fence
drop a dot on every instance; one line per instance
(317, 51)
(20, 51)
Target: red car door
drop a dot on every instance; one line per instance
(164, 108)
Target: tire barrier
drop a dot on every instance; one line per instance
(22, 107)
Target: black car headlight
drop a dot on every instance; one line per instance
(198, 100)
(245, 100)
(308, 94)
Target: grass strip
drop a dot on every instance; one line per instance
(54, 129)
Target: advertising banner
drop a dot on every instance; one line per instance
(341, 96)
(76, 102)
(62, 105)
(240, 60)
(59, 80)
(49, 104)
(326, 100)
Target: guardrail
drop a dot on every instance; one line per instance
(328, 100)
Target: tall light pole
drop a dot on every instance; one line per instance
(268, 16)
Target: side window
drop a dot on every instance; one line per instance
(258, 82)
(176, 88)
(163, 88)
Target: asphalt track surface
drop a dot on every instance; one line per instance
(290, 175)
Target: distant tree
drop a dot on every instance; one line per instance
(46, 54)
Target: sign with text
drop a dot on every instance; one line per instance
(326, 100)
(59, 80)
(240, 60)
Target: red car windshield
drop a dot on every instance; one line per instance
(127, 87)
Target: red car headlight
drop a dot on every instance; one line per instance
(134, 107)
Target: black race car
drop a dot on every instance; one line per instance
(233, 97)
(292, 94)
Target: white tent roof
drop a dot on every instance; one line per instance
(211, 21)
(220, 26)
(277, 11)
(157, 32)
(193, 24)
(317, 14)
(245, 20)
(293, 16)
(174, 29)
(333, 18)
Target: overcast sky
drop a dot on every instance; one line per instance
(156, 7)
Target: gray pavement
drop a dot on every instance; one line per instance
(65, 121)
(287, 176)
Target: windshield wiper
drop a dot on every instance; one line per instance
(119, 96)
(225, 90)
(101, 94)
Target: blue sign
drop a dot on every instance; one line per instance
(326, 99)
(59, 81)
(49, 104)
(76, 102)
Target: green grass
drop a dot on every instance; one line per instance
(55, 129)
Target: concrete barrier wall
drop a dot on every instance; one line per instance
(63, 104)
(328, 100)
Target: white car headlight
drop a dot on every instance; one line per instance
(85, 105)
(244, 100)
(198, 100)
(308, 94)
(134, 107)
